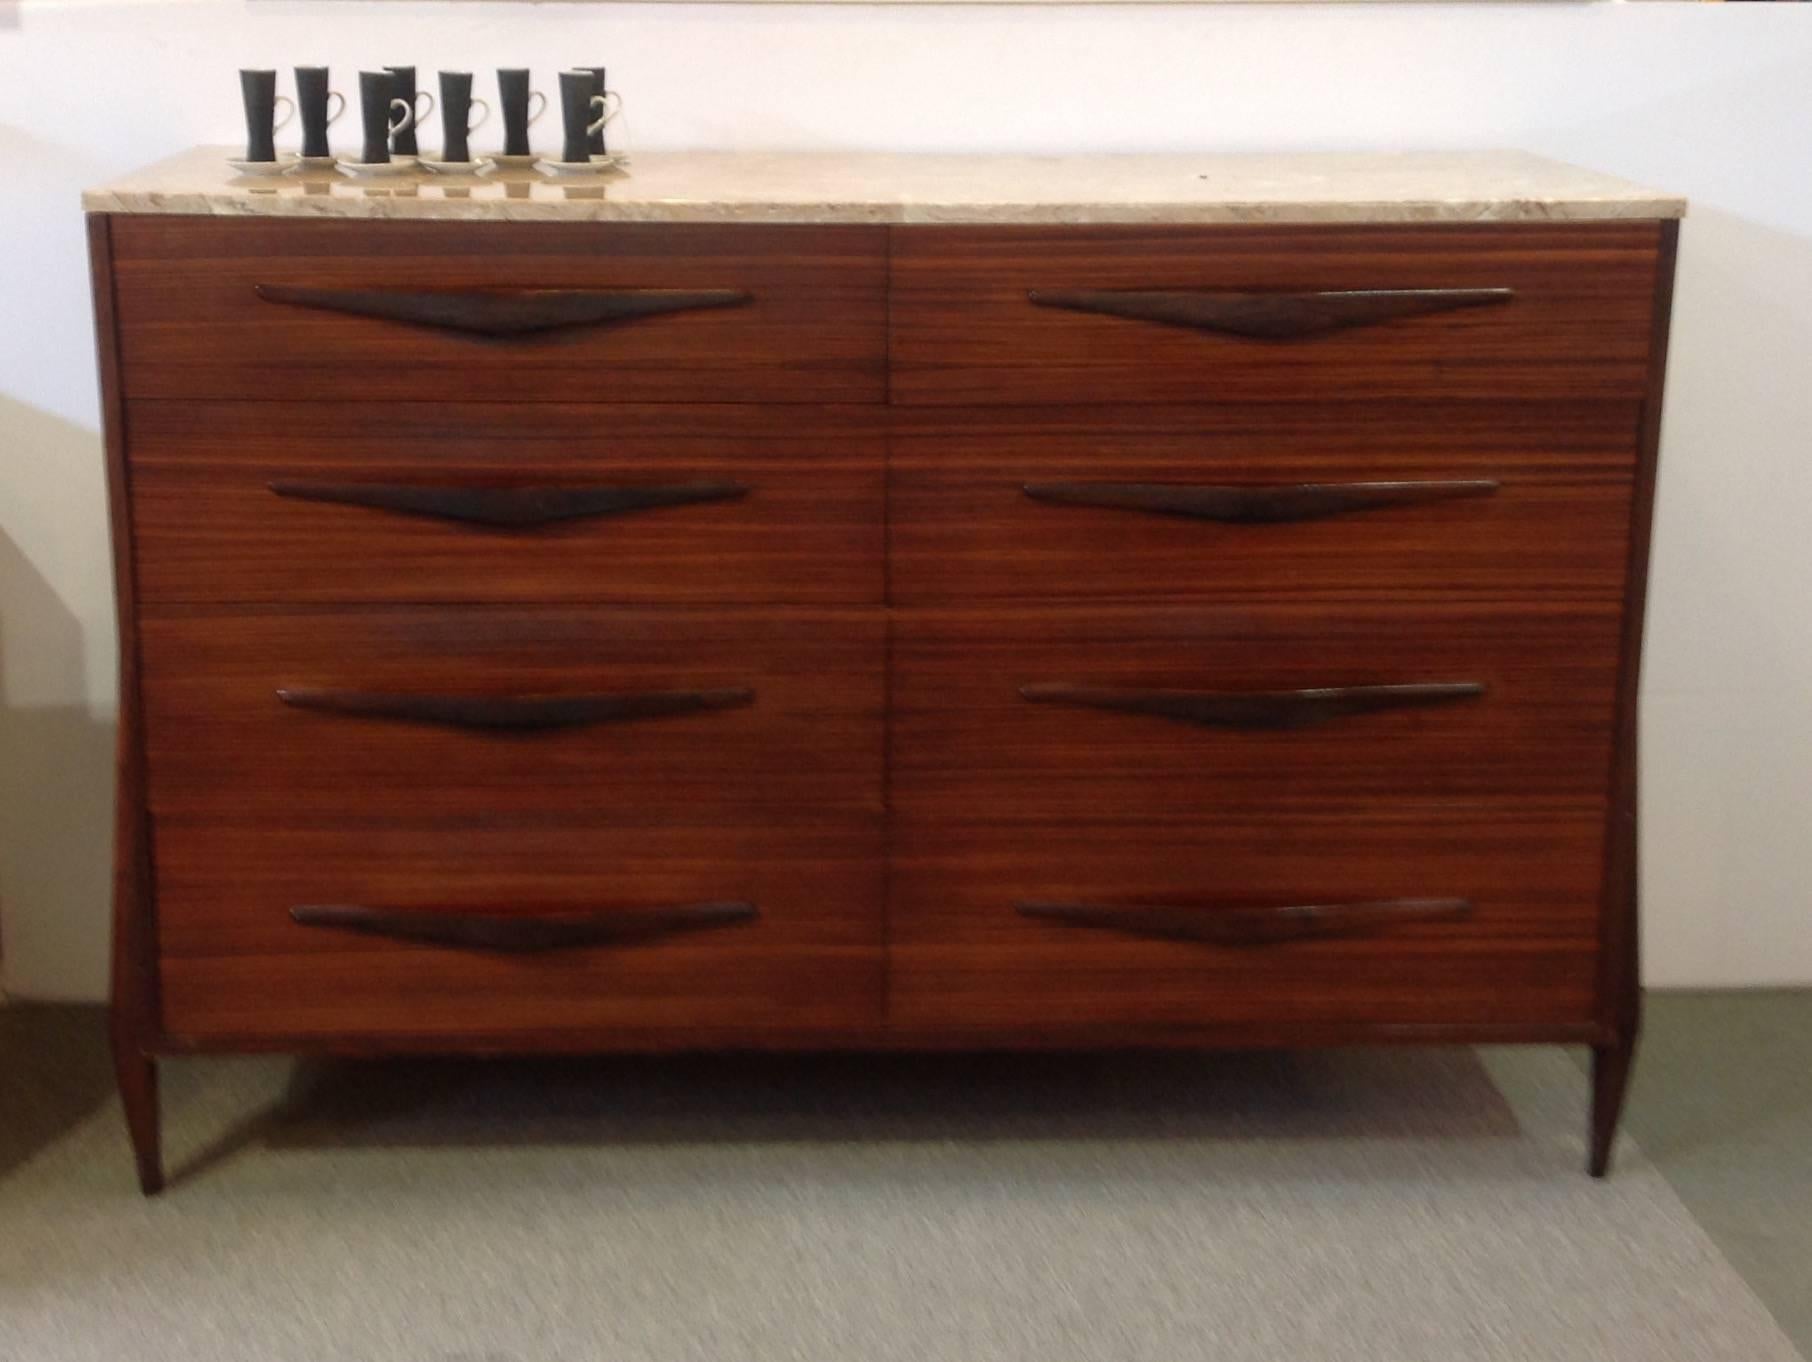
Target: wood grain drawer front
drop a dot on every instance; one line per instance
(288, 502)
(1473, 914)
(606, 927)
(499, 312)
(1511, 502)
(1166, 713)
(1172, 314)
(713, 716)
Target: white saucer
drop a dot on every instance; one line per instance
(396, 165)
(561, 170)
(316, 164)
(454, 167)
(499, 161)
(280, 166)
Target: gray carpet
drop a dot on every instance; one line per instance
(1397, 1206)
(1722, 1104)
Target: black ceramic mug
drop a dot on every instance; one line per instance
(382, 114)
(315, 104)
(402, 141)
(518, 107)
(598, 87)
(259, 89)
(583, 111)
(456, 121)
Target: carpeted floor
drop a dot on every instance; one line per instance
(1386, 1206)
(1722, 1104)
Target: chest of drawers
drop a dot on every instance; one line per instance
(617, 634)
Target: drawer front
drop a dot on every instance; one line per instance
(715, 716)
(1108, 314)
(1508, 502)
(290, 502)
(1167, 713)
(496, 928)
(1472, 914)
(499, 312)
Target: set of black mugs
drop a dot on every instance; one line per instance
(391, 110)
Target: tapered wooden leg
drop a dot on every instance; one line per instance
(138, 1091)
(1610, 1080)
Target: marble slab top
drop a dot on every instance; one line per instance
(876, 187)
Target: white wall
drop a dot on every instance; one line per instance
(1713, 101)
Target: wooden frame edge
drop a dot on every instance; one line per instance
(1620, 964)
(133, 1015)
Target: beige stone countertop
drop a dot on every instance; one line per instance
(875, 187)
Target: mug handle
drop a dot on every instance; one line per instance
(332, 95)
(422, 115)
(408, 113)
(609, 113)
(479, 103)
(534, 112)
(289, 112)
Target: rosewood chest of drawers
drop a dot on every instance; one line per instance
(662, 621)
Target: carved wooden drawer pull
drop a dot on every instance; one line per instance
(515, 712)
(1255, 505)
(513, 933)
(1254, 709)
(1249, 926)
(508, 507)
(502, 312)
(1268, 316)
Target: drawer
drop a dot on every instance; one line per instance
(499, 312)
(1474, 914)
(1176, 314)
(481, 712)
(1130, 714)
(501, 927)
(354, 502)
(1242, 502)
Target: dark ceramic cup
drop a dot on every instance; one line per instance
(576, 113)
(518, 107)
(402, 141)
(598, 87)
(382, 113)
(456, 121)
(584, 110)
(259, 90)
(315, 105)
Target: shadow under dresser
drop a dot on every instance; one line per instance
(880, 601)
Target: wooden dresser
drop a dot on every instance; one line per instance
(880, 601)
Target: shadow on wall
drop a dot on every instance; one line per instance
(56, 755)
(1726, 742)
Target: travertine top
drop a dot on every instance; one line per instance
(700, 186)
